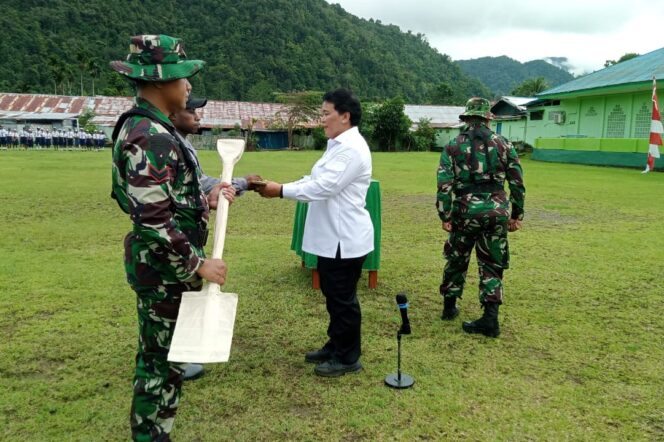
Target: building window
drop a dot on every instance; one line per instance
(537, 115)
(615, 123)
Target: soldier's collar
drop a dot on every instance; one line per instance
(145, 104)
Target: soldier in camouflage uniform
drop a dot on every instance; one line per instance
(156, 182)
(475, 210)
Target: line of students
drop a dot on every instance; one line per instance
(58, 138)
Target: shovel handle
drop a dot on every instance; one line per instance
(222, 214)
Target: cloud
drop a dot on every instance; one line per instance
(587, 32)
(488, 17)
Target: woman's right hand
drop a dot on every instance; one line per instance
(213, 270)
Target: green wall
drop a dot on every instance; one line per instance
(610, 129)
(619, 116)
(443, 136)
(513, 130)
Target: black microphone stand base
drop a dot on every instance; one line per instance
(399, 380)
(395, 381)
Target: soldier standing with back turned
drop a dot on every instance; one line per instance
(474, 209)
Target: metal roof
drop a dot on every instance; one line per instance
(225, 114)
(509, 106)
(636, 73)
(439, 116)
(519, 102)
(35, 116)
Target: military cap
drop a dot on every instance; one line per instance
(156, 58)
(477, 107)
(195, 103)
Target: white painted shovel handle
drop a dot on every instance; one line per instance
(222, 214)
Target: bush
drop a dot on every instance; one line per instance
(424, 137)
(320, 139)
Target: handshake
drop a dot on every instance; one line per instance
(267, 189)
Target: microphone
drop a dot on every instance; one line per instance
(402, 302)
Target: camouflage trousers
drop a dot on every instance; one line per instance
(157, 382)
(488, 236)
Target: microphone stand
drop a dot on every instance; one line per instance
(399, 380)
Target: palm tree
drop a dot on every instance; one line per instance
(58, 75)
(531, 87)
(93, 68)
(83, 60)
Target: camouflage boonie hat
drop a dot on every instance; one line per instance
(477, 107)
(156, 58)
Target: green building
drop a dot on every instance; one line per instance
(602, 118)
(510, 116)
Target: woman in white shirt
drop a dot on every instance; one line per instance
(338, 228)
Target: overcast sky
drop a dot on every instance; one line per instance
(587, 32)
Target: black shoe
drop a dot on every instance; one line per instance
(334, 368)
(193, 372)
(318, 356)
(487, 324)
(450, 311)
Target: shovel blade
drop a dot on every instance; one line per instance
(230, 150)
(204, 329)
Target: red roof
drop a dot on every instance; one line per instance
(225, 114)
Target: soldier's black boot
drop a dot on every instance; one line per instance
(450, 310)
(487, 324)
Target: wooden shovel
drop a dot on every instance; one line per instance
(204, 329)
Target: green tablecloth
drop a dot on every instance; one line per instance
(373, 206)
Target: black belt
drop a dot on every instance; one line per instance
(489, 187)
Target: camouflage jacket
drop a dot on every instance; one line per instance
(471, 175)
(157, 184)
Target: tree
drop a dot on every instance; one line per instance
(530, 87)
(117, 86)
(391, 124)
(58, 73)
(627, 56)
(424, 137)
(251, 48)
(301, 108)
(94, 69)
(442, 93)
(85, 121)
(83, 62)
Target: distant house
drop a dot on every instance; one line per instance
(602, 118)
(444, 119)
(510, 117)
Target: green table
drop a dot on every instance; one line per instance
(372, 263)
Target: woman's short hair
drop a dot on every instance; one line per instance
(345, 101)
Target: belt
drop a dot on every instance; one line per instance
(488, 187)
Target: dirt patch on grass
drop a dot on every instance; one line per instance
(544, 216)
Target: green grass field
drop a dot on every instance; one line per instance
(581, 355)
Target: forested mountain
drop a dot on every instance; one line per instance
(253, 48)
(503, 74)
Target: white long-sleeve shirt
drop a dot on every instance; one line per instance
(336, 192)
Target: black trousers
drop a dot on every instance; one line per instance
(338, 282)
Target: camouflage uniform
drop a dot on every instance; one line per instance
(471, 175)
(157, 183)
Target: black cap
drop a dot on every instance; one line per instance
(195, 103)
